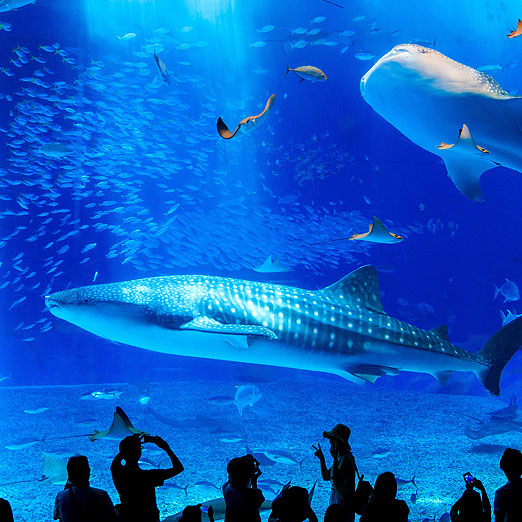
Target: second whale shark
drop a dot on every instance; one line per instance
(341, 329)
(429, 97)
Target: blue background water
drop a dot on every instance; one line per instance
(320, 167)
(323, 148)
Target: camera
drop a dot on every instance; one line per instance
(469, 478)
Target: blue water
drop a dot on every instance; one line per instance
(320, 166)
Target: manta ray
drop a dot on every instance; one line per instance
(246, 124)
(341, 329)
(429, 97)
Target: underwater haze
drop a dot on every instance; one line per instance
(119, 161)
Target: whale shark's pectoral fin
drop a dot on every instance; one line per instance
(209, 325)
(443, 377)
(465, 163)
(371, 372)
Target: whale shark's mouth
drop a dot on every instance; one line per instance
(51, 303)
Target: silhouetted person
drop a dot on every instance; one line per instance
(193, 514)
(383, 506)
(137, 487)
(342, 472)
(508, 498)
(6, 514)
(472, 506)
(334, 513)
(292, 505)
(242, 496)
(78, 501)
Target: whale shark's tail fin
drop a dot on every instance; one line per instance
(497, 352)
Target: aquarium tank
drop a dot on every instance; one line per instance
(236, 224)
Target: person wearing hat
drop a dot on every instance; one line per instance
(342, 472)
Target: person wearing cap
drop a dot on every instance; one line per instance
(136, 486)
(342, 472)
(78, 501)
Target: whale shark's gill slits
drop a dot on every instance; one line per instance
(358, 288)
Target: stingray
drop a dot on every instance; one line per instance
(54, 470)
(517, 31)
(121, 427)
(246, 124)
(377, 233)
(486, 429)
(269, 267)
(213, 425)
(427, 96)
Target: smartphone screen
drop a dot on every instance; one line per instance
(468, 477)
(204, 509)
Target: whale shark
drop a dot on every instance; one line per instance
(341, 329)
(428, 97)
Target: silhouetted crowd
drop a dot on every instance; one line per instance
(243, 499)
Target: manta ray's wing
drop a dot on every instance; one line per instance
(465, 163)
(249, 121)
(378, 234)
(121, 427)
(517, 31)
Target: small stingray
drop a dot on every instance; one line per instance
(465, 142)
(488, 449)
(54, 470)
(214, 425)
(121, 427)
(486, 429)
(162, 68)
(269, 267)
(247, 123)
(517, 31)
(378, 234)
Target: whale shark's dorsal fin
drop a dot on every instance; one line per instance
(360, 287)
(441, 331)
(465, 163)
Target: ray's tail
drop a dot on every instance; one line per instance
(497, 352)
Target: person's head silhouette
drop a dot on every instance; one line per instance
(385, 488)
(130, 448)
(511, 463)
(78, 470)
(293, 505)
(338, 437)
